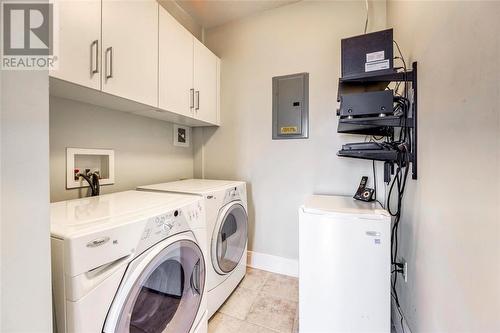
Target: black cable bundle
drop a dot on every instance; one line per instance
(93, 180)
(402, 107)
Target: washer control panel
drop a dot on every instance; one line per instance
(168, 224)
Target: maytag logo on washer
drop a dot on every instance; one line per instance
(98, 242)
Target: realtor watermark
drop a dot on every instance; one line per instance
(28, 35)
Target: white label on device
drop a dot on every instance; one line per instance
(375, 56)
(376, 66)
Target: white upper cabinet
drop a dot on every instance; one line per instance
(175, 85)
(140, 56)
(130, 49)
(79, 42)
(205, 83)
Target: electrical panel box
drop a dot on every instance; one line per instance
(368, 54)
(291, 106)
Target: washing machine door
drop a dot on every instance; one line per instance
(164, 292)
(230, 237)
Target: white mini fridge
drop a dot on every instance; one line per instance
(344, 266)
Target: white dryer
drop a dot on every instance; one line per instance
(227, 231)
(129, 262)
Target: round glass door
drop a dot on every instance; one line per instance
(167, 295)
(231, 238)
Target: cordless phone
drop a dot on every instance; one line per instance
(364, 193)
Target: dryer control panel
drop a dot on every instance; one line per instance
(232, 194)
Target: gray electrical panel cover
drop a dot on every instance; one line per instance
(291, 106)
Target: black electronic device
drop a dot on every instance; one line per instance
(351, 127)
(363, 146)
(373, 103)
(378, 151)
(368, 69)
(364, 193)
(368, 54)
(388, 171)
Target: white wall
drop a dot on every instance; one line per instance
(24, 200)
(144, 150)
(451, 219)
(302, 37)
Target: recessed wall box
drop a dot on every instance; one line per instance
(291, 106)
(368, 103)
(367, 54)
(81, 159)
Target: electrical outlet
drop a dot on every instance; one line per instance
(405, 269)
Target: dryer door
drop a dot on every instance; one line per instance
(166, 293)
(230, 238)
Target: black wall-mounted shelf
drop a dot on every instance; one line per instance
(383, 125)
(389, 121)
(377, 155)
(385, 76)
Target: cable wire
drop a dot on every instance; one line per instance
(93, 180)
(398, 185)
(88, 180)
(367, 12)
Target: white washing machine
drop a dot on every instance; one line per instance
(129, 262)
(227, 232)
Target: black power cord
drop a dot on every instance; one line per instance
(93, 180)
(402, 107)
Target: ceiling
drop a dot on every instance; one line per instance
(212, 13)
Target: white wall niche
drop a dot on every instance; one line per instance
(85, 158)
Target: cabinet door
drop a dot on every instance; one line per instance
(130, 49)
(79, 42)
(175, 66)
(205, 83)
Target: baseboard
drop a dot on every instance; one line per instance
(273, 264)
(396, 320)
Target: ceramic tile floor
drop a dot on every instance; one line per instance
(262, 303)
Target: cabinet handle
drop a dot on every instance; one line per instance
(109, 65)
(197, 93)
(94, 67)
(191, 98)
